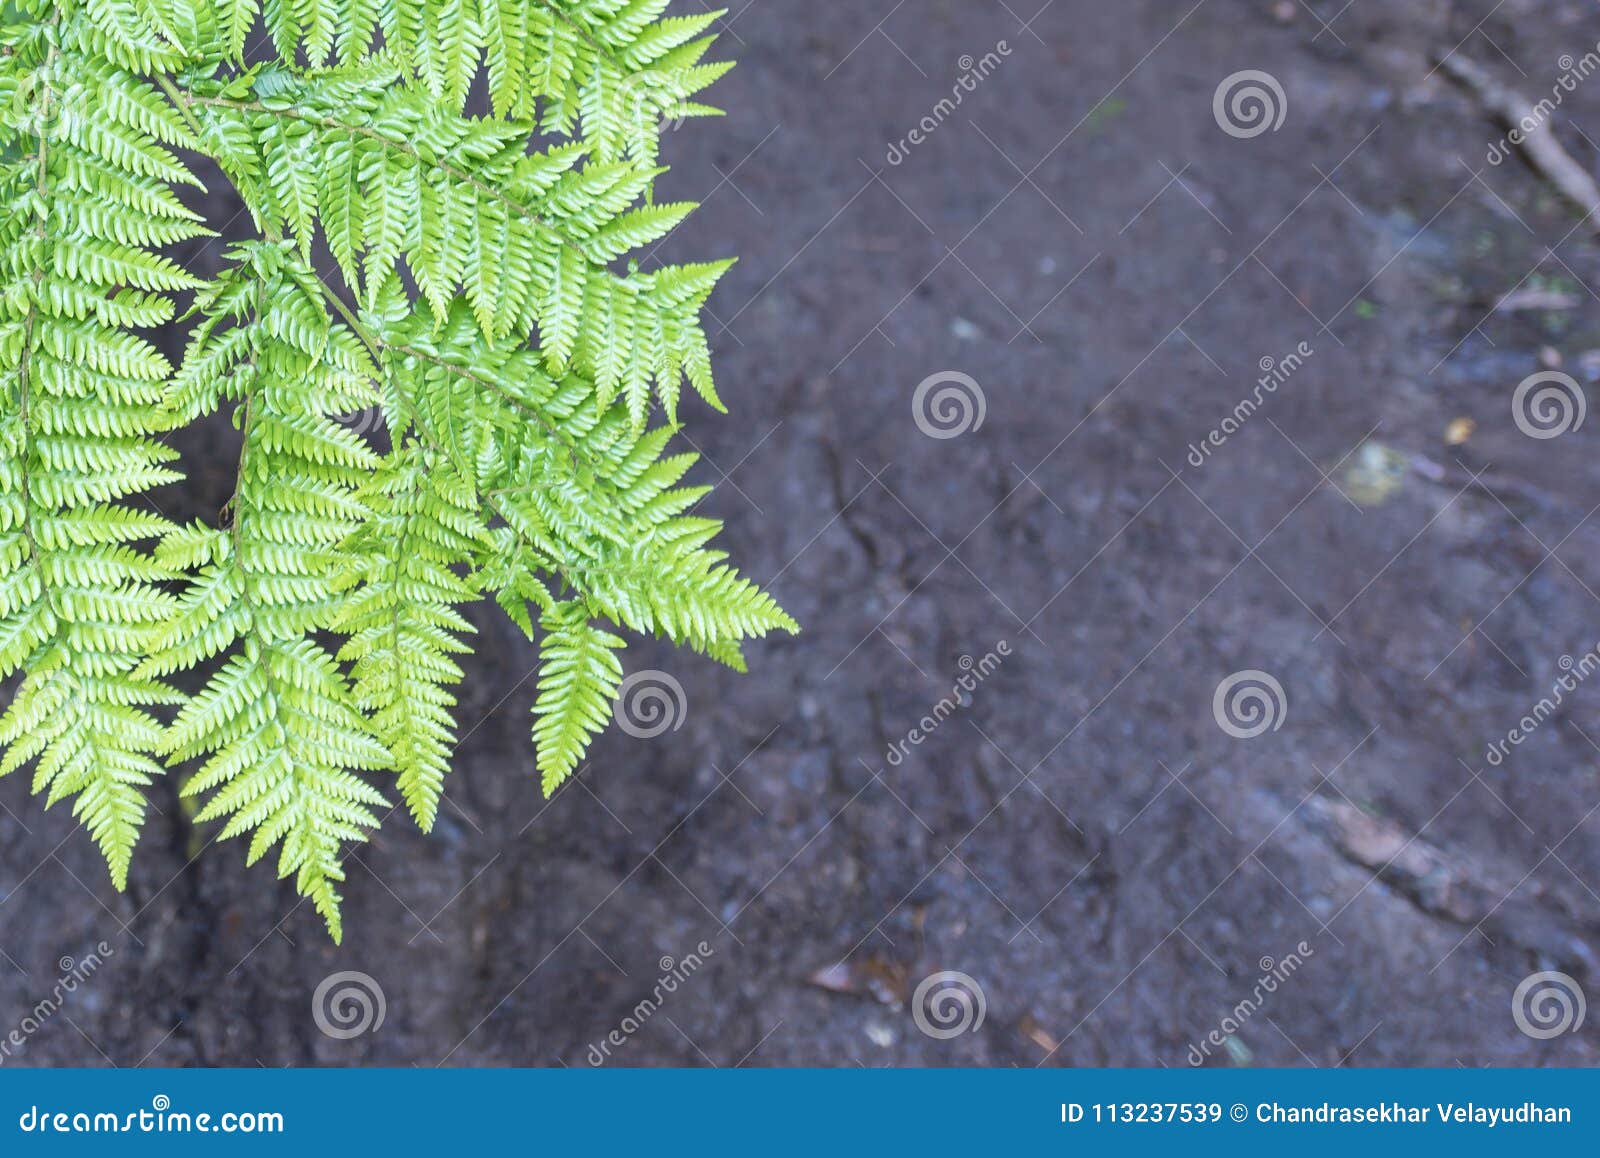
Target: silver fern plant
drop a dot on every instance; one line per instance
(515, 352)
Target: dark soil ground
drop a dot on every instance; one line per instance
(1080, 837)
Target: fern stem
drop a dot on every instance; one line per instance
(176, 96)
(24, 367)
(372, 342)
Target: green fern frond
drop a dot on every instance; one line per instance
(529, 239)
(283, 730)
(85, 173)
(612, 72)
(583, 496)
(586, 494)
(499, 325)
(402, 616)
(578, 678)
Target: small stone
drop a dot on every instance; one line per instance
(1375, 473)
(1459, 430)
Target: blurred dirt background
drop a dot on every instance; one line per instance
(1080, 838)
